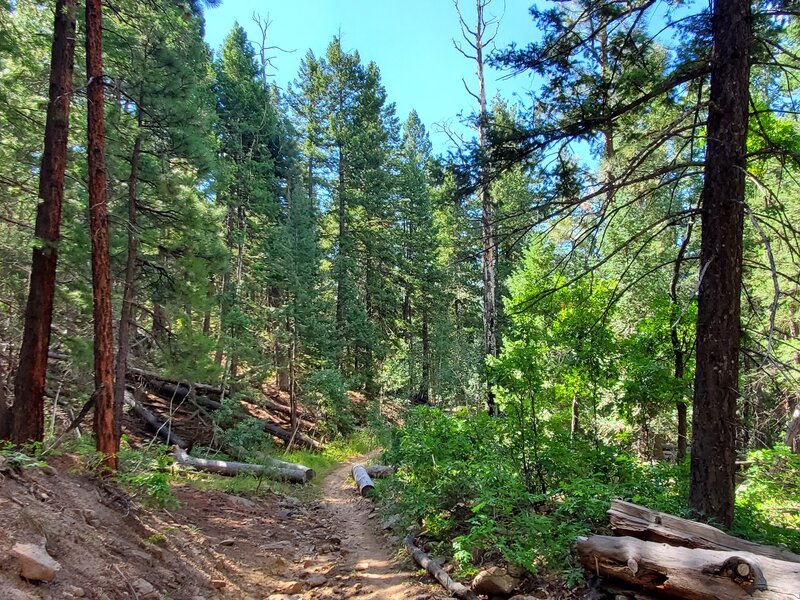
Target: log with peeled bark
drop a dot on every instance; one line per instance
(689, 573)
(423, 560)
(287, 436)
(272, 469)
(285, 410)
(640, 522)
(380, 471)
(363, 481)
(161, 427)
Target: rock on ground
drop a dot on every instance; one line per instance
(35, 563)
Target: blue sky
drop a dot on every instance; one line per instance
(409, 40)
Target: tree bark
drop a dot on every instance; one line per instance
(677, 348)
(487, 215)
(629, 519)
(162, 428)
(104, 412)
(273, 469)
(423, 560)
(28, 408)
(288, 436)
(126, 319)
(691, 574)
(712, 481)
(363, 481)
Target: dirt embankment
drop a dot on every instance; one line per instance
(214, 545)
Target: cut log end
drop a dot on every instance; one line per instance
(363, 481)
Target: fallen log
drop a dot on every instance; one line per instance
(423, 560)
(629, 519)
(287, 436)
(380, 471)
(162, 428)
(286, 410)
(272, 469)
(364, 483)
(689, 573)
(201, 388)
(176, 392)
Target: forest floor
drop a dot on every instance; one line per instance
(213, 545)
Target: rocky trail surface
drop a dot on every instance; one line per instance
(213, 545)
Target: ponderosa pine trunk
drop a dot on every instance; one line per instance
(712, 481)
(27, 423)
(126, 319)
(104, 412)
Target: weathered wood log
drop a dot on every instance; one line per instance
(178, 393)
(286, 410)
(363, 481)
(159, 425)
(640, 522)
(380, 471)
(689, 573)
(299, 437)
(201, 388)
(272, 469)
(423, 560)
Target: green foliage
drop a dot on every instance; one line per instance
(767, 506)
(249, 436)
(328, 390)
(460, 477)
(29, 455)
(146, 471)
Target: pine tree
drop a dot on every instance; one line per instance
(28, 409)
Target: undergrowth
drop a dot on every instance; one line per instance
(480, 494)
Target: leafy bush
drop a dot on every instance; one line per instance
(768, 500)
(460, 475)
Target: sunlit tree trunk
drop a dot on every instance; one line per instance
(27, 424)
(104, 423)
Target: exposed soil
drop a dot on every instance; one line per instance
(215, 545)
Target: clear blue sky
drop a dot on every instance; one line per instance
(409, 40)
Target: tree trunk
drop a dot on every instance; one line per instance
(162, 428)
(425, 386)
(104, 427)
(28, 409)
(487, 216)
(691, 574)
(291, 437)
(272, 469)
(632, 520)
(363, 481)
(340, 263)
(423, 560)
(126, 318)
(677, 348)
(712, 481)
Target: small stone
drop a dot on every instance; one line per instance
(48, 470)
(243, 502)
(144, 589)
(35, 563)
(76, 591)
(494, 580)
(391, 521)
(218, 584)
(295, 587)
(316, 581)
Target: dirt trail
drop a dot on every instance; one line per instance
(212, 546)
(374, 575)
